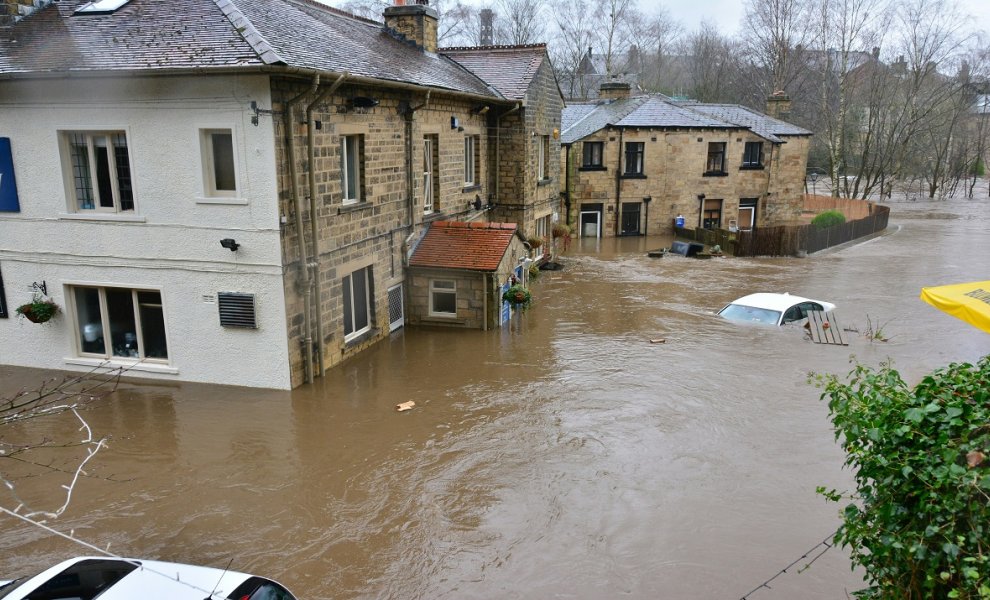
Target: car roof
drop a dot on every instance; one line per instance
(773, 301)
(157, 580)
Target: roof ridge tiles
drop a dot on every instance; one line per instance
(243, 26)
(495, 47)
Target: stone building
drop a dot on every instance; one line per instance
(459, 271)
(634, 164)
(229, 192)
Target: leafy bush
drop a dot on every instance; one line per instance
(829, 218)
(921, 522)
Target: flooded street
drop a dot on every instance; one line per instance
(566, 456)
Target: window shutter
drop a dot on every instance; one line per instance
(237, 310)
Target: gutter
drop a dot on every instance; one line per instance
(314, 283)
(305, 282)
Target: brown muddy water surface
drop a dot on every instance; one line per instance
(565, 457)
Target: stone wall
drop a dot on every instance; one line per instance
(373, 232)
(522, 196)
(674, 178)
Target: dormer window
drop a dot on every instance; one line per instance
(100, 7)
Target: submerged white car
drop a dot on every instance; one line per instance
(772, 309)
(91, 578)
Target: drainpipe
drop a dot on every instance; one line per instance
(498, 146)
(305, 282)
(769, 177)
(314, 281)
(484, 303)
(567, 184)
(409, 162)
(618, 185)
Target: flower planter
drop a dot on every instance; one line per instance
(39, 310)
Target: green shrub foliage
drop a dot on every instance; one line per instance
(920, 524)
(829, 218)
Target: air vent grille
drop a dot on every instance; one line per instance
(237, 310)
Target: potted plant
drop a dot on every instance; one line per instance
(39, 310)
(517, 296)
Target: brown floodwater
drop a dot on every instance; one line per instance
(565, 456)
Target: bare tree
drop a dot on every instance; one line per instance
(520, 21)
(656, 36)
(455, 24)
(24, 454)
(713, 64)
(777, 30)
(569, 45)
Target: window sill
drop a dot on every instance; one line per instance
(470, 188)
(126, 366)
(353, 207)
(117, 217)
(546, 181)
(222, 200)
(715, 174)
(751, 168)
(593, 168)
(358, 339)
(632, 176)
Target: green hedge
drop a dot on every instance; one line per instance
(829, 218)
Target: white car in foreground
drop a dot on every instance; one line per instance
(772, 309)
(89, 578)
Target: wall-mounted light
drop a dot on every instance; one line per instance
(230, 244)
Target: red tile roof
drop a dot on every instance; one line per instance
(468, 246)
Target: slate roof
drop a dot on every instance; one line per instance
(508, 69)
(759, 123)
(466, 246)
(156, 35)
(658, 111)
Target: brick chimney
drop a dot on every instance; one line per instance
(414, 22)
(779, 105)
(12, 11)
(614, 90)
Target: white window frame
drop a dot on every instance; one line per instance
(209, 158)
(446, 287)
(91, 138)
(469, 160)
(350, 167)
(428, 182)
(543, 158)
(108, 355)
(348, 282)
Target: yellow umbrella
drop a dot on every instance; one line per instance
(967, 301)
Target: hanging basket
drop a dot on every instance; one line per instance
(518, 297)
(39, 310)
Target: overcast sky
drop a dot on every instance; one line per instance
(727, 14)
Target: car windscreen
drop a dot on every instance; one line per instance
(752, 314)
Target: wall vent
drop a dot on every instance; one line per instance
(237, 310)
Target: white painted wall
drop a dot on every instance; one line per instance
(171, 241)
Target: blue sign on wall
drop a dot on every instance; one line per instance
(8, 186)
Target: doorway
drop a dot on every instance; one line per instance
(591, 220)
(630, 218)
